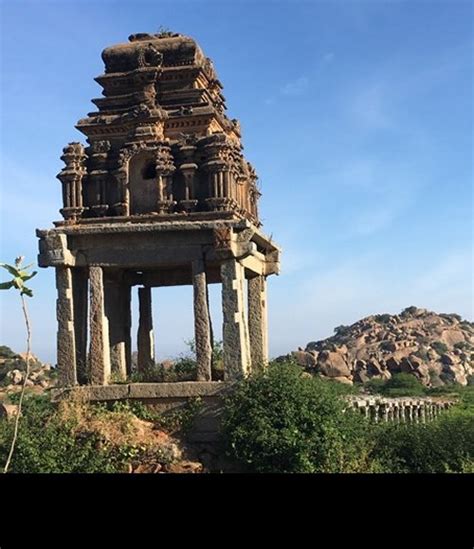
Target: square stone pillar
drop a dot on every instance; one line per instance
(202, 328)
(257, 315)
(80, 282)
(99, 350)
(117, 310)
(146, 343)
(66, 344)
(237, 360)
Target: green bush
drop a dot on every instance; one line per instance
(383, 319)
(442, 446)
(78, 438)
(398, 385)
(440, 347)
(6, 352)
(285, 421)
(342, 330)
(46, 445)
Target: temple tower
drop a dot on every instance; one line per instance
(161, 195)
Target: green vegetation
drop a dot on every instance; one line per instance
(463, 346)
(285, 421)
(409, 311)
(442, 446)
(342, 330)
(78, 438)
(383, 319)
(397, 386)
(176, 421)
(21, 274)
(6, 352)
(182, 369)
(440, 347)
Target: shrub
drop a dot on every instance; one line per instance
(444, 445)
(439, 347)
(46, 445)
(284, 421)
(6, 352)
(463, 345)
(342, 330)
(80, 438)
(409, 311)
(376, 386)
(383, 319)
(398, 385)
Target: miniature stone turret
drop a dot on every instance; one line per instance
(162, 195)
(160, 142)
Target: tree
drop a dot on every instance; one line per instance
(20, 275)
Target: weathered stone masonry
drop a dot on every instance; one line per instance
(399, 410)
(162, 195)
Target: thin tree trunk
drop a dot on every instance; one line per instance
(27, 373)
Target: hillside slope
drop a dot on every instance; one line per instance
(437, 348)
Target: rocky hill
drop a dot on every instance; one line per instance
(437, 348)
(12, 373)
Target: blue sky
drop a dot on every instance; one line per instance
(357, 116)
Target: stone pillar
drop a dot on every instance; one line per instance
(99, 353)
(146, 343)
(384, 410)
(391, 414)
(237, 361)
(66, 345)
(202, 329)
(117, 310)
(374, 413)
(80, 301)
(127, 299)
(422, 413)
(257, 315)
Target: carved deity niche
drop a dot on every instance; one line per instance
(143, 184)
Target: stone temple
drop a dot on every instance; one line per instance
(160, 196)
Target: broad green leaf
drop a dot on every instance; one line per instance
(28, 276)
(26, 291)
(10, 269)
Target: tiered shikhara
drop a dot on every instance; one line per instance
(162, 195)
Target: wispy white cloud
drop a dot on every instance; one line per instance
(351, 289)
(328, 57)
(296, 87)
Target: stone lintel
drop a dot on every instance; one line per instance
(156, 245)
(179, 389)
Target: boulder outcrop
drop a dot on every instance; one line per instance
(436, 348)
